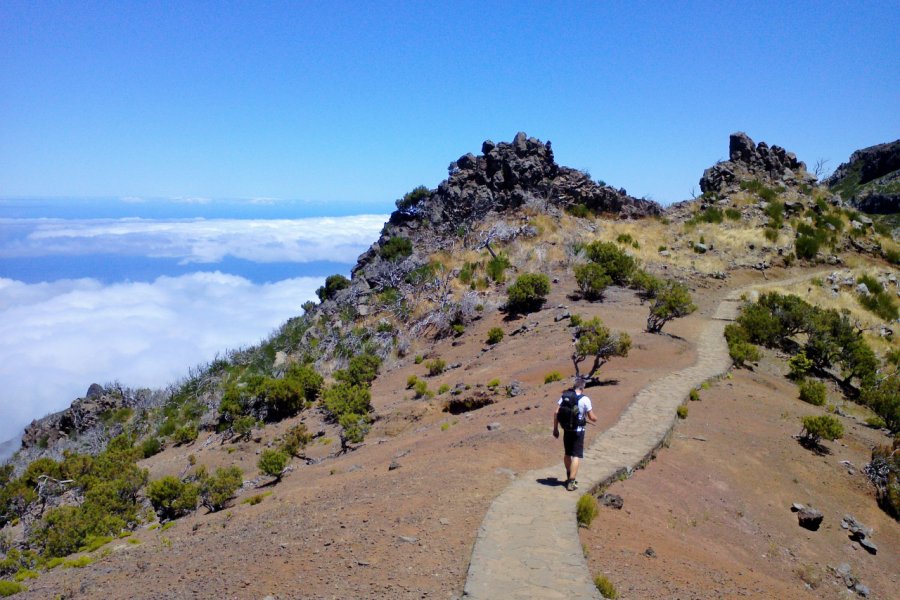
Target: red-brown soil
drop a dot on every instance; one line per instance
(716, 511)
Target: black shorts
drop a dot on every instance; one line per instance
(573, 442)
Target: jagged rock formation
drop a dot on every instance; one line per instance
(771, 165)
(870, 181)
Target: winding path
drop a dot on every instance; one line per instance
(528, 545)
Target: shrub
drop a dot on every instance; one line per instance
(878, 301)
(396, 248)
(586, 510)
(672, 302)
(411, 381)
(884, 399)
(552, 376)
(495, 335)
(739, 347)
(436, 366)
(733, 214)
(466, 273)
(362, 370)
(418, 359)
(497, 266)
(771, 234)
(185, 434)
(295, 439)
(172, 498)
(605, 587)
(421, 389)
(647, 285)
(243, 427)
(458, 329)
(806, 247)
(576, 321)
(682, 411)
(592, 280)
(822, 426)
(493, 383)
(9, 588)
(272, 463)
(799, 366)
(614, 261)
(443, 389)
(813, 392)
(710, 215)
(409, 202)
(333, 284)
(528, 293)
(875, 422)
(218, 489)
(150, 446)
(342, 398)
(694, 395)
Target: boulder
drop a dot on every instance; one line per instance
(810, 518)
(612, 500)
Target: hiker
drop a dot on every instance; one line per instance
(573, 410)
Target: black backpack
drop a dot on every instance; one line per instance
(568, 416)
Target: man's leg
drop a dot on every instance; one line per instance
(567, 460)
(573, 466)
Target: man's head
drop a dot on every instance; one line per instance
(579, 384)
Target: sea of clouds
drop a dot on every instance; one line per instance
(57, 337)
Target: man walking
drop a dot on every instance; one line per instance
(573, 410)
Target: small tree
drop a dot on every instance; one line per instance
(673, 302)
(333, 284)
(614, 261)
(593, 338)
(528, 293)
(172, 498)
(813, 392)
(272, 463)
(592, 280)
(218, 489)
(822, 426)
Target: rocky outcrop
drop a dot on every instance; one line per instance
(506, 176)
(84, 414)
(747, 160)
(870, 181)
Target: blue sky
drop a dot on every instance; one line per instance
(346, 102)
(177, 178)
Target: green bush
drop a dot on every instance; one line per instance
(647, 285)
(799, 366)
(396, 248)
(528, 293)
(458, 329)
(806, 247)
(818, 427)
(592, 280)
(443, 389)
(411, 381)
(682, 411)
(272, 463)
(333, 284)
(495, 335)
(813, 392)
(733, 214)
(576, 320)
(594, 339)
(694, 395)
(586, 510)
(436, 366)
(243, 427)
(884, 399)
(9, 588)
(467, 273)
(409, 202)
(493, 383)
(185, 434)
(421, 389)
(740, 349)
(150, 446)
(295, 439)
(710, 215)
(172, 498)
(342, 398)
(672, 302)
(618, 265)
(552, 376)
(605, 587)
(497, 266)
(218, 489)
(771, 234)
(878, 301)
(362, 370)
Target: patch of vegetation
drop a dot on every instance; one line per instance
(883, 397)
(586, 510)
(740, 349)
(733, 214)
(528, 293)
(396, 248)
(295, 439)
(694, 395)
(443, 389)
(884, 472)
(625, 238)
(813, 392)
(594, 339)
(435, 366)
(710, 215)
(457, 406)
(94, 542)
(816, 428)
(605, 587)
(799, 366)
(78, 563)
(552, 377)
(497, 266)
(216, 490)
(495, 335)
(757, 187)
(878, 300)
(172, 498)
(421, 389)
(493, 383)
(350, 406)
(618, 265)
(682, 411)
(673, 301)
(150, 446)
(333, 284)
(272, 463)
(410, 201)
(592, 280)
(10, 588)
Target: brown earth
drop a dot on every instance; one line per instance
(715, 506)
(352, 527)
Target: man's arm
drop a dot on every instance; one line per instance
(591, 416)
(556, 422)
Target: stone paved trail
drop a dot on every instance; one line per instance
(528, 545)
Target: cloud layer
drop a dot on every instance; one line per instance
(57, 338)
(202, 241)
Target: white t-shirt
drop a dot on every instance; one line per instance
(584, 407)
